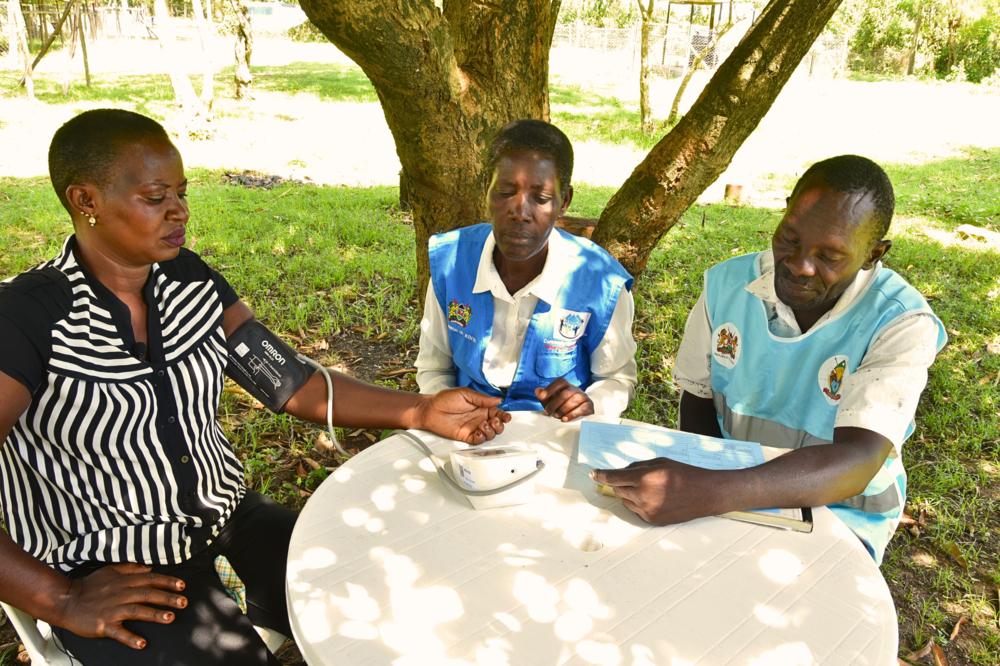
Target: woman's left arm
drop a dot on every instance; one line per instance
(460, 414)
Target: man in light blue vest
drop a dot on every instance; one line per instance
(519, 309)
(814, 347)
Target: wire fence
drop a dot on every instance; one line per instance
(674, 47)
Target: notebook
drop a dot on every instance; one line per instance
(615, 445)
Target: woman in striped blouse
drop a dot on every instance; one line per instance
(117, 486)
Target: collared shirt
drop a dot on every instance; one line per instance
(612, 363)
(118, 457)
(881, 395)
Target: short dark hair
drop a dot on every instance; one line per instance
(86, 148)
(853, 173)
(538, 136)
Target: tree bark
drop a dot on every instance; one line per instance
(242, 49)
(447, 79)
(645, 114)
(702, 144)
(19, 40)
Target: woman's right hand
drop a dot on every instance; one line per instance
(97, 604)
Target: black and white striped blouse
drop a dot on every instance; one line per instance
(119, 457)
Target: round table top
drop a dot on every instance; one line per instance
(388, 566)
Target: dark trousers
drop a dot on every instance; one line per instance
(212, 631)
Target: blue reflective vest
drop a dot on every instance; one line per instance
(785, 392)
(561, 335)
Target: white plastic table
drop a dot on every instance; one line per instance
(388, 566)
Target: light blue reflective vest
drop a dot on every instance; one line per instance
(561, 335)
(785, 392)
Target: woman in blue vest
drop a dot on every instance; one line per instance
(514, 309)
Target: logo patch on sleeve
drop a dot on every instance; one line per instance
(727, 344)
(831, 378)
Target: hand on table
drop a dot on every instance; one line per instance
(663, 491)
(463, 414)
(562, 400)
(98, 604)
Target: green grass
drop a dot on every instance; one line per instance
(313, 261)
(585, 116)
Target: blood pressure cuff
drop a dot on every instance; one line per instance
(264, 365)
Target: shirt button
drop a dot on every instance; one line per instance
(171, 420)
(184, 459)
(159, 373)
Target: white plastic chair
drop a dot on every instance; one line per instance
(45, 650)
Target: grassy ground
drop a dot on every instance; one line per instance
(332, 269)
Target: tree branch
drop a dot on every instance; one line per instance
(699, 148)
(397, 44)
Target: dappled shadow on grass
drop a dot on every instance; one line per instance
(585, 116)
(133, 90)
(329, 82)
(958, 190)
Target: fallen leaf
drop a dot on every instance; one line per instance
(952, 549)
(382, 336)
(304, 493)
(922, 652)
(300, 470)
(312, 463)
(322, 345)
(22, 655)
(939, 658)
(323, 442)
(958, 627)
(906, 520)
(356, 432)
(371, 437)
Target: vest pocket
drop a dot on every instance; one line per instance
(555, 364)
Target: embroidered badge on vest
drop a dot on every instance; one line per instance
(831, 378)
(726, 344)
(571, 325)
(459, 313)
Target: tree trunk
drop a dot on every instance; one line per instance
(701, 146)
(167, 38)
(447, 79)
(912, 59)
(83, 44)
(19, 40)
(204, 40)
(695, 66)
(242, 49)
(645, 114)
(67, 75)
